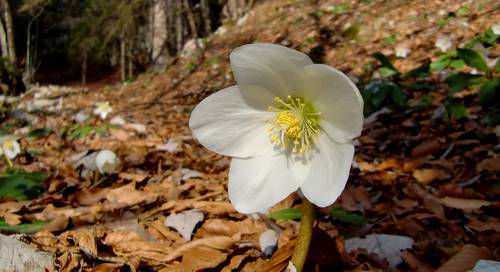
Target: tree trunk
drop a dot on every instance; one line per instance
(159, 33)
(191, 21)
(130, 64)
(4, 47)
(84, 67)
(178, 25)
(29, 70)
(9, 25)
(205, 13)
(123, 68)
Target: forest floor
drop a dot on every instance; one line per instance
(416, 173)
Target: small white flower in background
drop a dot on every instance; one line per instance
(117, 120)
(401, 51)
(9, 146)
(107, 162)
(102, 109)
(288, 125)
(496, 28)
(443, 42)
(81, 117)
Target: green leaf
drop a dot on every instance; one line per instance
(419, 72)
(489, 37)
(286, 214)
(399, 97)
(343, 215)
(39, 132)
(390, 40)
(457, 111)
(494, 117)
(21, 185)
(439, 64)
(386, 72)
(23, 228)
(463, 11)
(458, 64)
(376, 91)
(487, 93)
(418, 85)
(460, 81)
(497, 66)
(384, 60)
(80, 132)
(473, 59)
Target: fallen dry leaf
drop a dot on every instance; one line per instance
(464, 204)
(465, 259)
(426, 148)
(217, 242)
(199, 258)
(489, 165)
(426, 176)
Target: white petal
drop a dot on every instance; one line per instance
(257, 183)
(271, 67)
(224, 124)
(329, 171)
(12, 149)
(337, 98)
(107, 162)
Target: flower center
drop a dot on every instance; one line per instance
(8, 145)
(295, 126)
(103, 107)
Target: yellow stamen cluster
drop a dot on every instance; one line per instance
(295, 126)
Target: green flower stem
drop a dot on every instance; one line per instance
(304, 237)
(97, 176)
(9, 162)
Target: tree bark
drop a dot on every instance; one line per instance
(29, 70)
(178, 25)
(205, 13)
(130, 64)
(84, 67)
(159, 32)
(3, 41)
(123, 68)
(191, 20)
(9, 26)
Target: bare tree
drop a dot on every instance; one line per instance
(3, 41)
(159, 32)
(205, 13)
(9, 27)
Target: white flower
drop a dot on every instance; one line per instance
(443, 42)
(496, 28)
(81, 117)
(102, 109)
(9, 146)
(288, 124)
(117, 120)
(402, 51)
(107, 162)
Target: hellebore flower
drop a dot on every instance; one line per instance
(402, 51)
(103, 109)
(288, 124)
(9, 147)
(107, 162)
(496, 29)
(443, 42)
